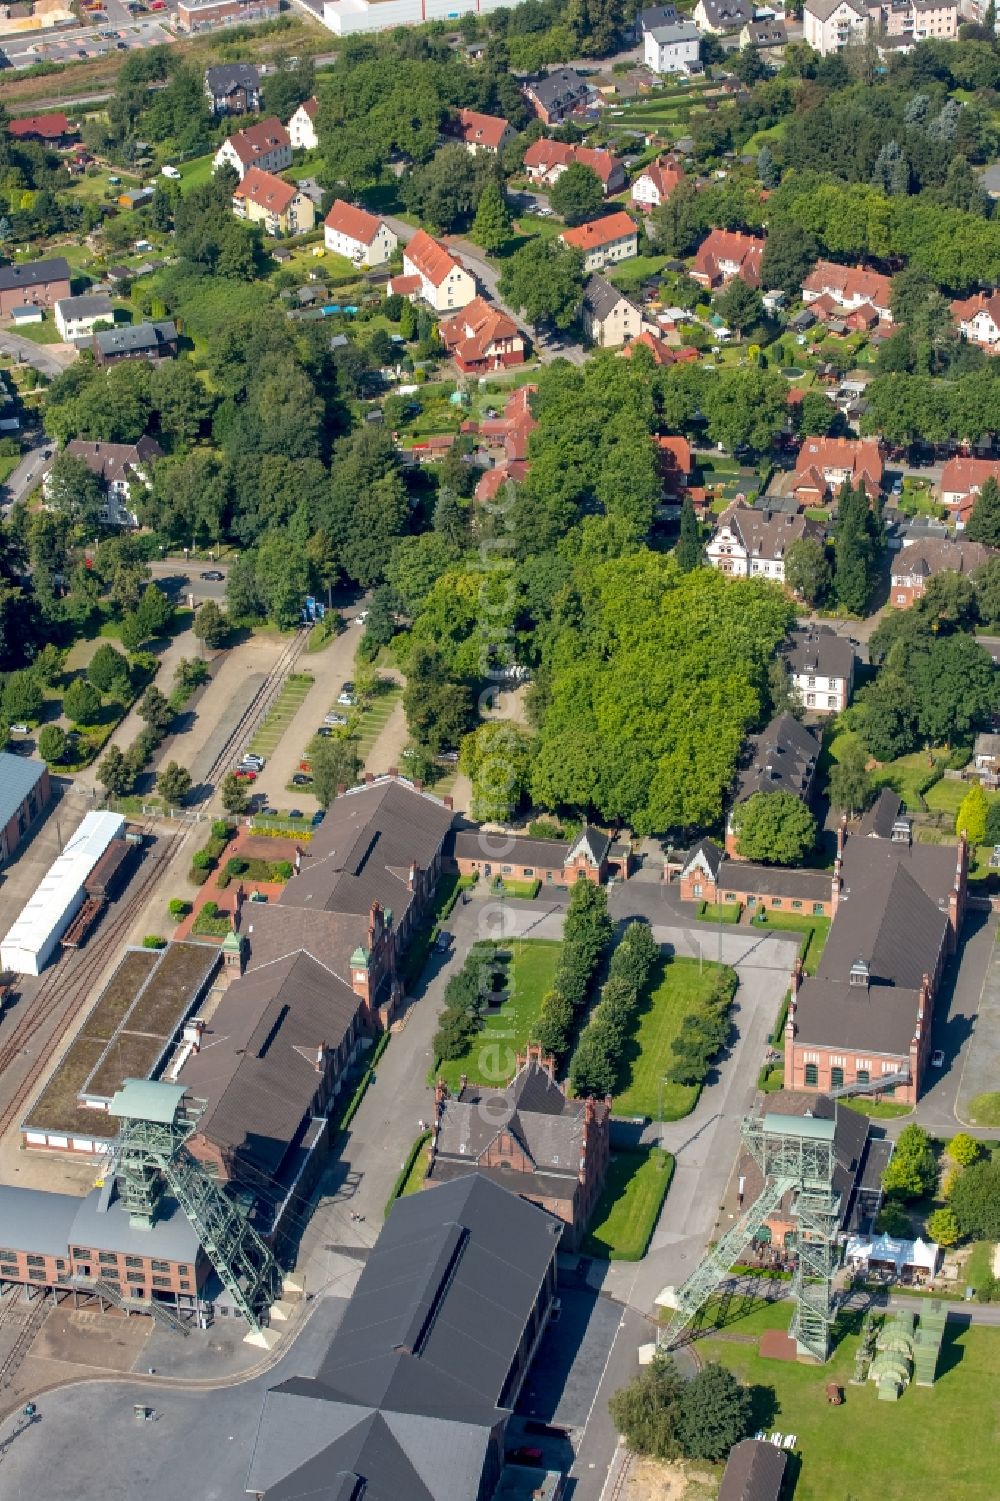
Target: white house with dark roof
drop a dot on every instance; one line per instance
(722, 17)
(821, 667)
(752, 542)
(75, 317)
(609, 317)
(674, 47)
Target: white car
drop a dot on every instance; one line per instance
(171, 172)
(334, 718)
(252, 762)
(360, 619)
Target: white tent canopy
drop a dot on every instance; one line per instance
(922, 1254)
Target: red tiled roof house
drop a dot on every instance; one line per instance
(481, 338)
(363, 238)
(978, 320)
(266, 145)
(605, 241)
(825, 464)
(725, 253)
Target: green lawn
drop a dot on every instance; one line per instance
(817, 928)
(727, 912)
(39, 333)
(877, 1110)
(984, 1110)
(373, 720)
(629, 1207)
(490, 1057)
(196, 172)
(912, 1450)
(280, 715)
(678, 990)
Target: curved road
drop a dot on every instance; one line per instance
(43, 357)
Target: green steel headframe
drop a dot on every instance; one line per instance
(150, 1158)
(795, 1155)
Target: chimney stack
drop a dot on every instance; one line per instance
(320, 1057)
(411, 880)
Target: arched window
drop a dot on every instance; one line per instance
(812, 1074)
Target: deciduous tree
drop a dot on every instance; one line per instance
(173, 783)
(774, 827)
(82, 702)
(577, 194)
(971, 816)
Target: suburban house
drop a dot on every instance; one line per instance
(233, 89)
(49, 130)
(914, 21)
(75, 316)
(278, 206)
(722, 17)
(592, 856)
(604, 241)
(135, 341)
(662, 352)
(913, 566)
(674, 47)
(493, 481)
(266, 145)
(545, 162)
(782, 758)
(24, 792)
(978, 320)
(409, 1400)
(433, 273)
(821, 667)
(609, 318)
(961, 481)
(35, 284)
(559, 94)
(751, 541)
(676, 463)
(824, 465)
(122, 468)
(655, 183)
(302, 126)
(830, 289)
(527, 1137)
(764, 33)
(708, 874)
(828, 25)
(486, 133)
(986, 755)
(655, 15)
(725, 253)
(481, 338)
(363, 238)
(866, 1016)
(505, 443)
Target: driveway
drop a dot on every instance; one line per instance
(48, 359)
(29, 473)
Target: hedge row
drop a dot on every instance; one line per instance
(407, 1168)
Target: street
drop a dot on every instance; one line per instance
(29, 473)
(49, 360)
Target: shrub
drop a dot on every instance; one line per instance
(178, 908)
(154, 941)
(283, 870)
(237, 866)
(942, 1227)
(964, 1149)
(221, 829)
(197, 876)
(201, 860)
(211, 909)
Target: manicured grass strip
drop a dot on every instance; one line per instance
(281, 713)
(629, 1207)
(491, 1055)
(373, 720)
(877, 1110)
(677, 990)
(918, 1447)
(817, 930)
(984, 1110)
(728, 912)
(414, 1171)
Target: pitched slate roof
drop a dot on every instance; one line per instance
(532, 1107)
(880, 819)
(818, 649)
(135, 338)
(939, 555)
(657, 15)
(765, 533)
(754, 1472)
(709, 851)
(33, 274)
(782, 758)
(674, 31)
(226, 78)
(728, 15)
(94, 305)
(114, 462)
(560, 87)
(601, 297)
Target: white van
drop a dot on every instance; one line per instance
(169, 171)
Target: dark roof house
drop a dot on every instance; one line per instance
(782, 758)
(755, 1471)
(413, 1395)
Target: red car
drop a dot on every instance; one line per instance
(526, 1455)
(243, 775)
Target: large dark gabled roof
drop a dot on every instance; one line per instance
(880, 818)
(754, 1472)
(782, 758)
(533, 1107)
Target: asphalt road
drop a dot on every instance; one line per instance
(42, 357)
(29, 472)
(179, 578)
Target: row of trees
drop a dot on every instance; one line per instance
(587, 933)
(596, 1064)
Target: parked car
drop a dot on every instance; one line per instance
(301, 780)
(443, 941)
(324, 731)
(334, 718)
(360, 619)
(253, 761)
(318, 818)
(449, 757)
(214, 575)
(19, 729)
(937, 1058)
(244, 774)
(169, 171)
(346, 695)
(295, 813)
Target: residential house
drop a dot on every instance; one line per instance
(866, 1017)
(433, 273)
(605, 241)
(609, 318)
(960, 483)
(847, 289)
(545, 161)
(766, 33)
(75, 316)
(506, 441)
(36, 284)
(49, 130)
(912, 21)
(123, 469)
(722, 17)
(527, 1137)
(24, 792)
(985, 755)
(592, 856)
(559, 94)
(205, 15)
(725, 253)
(409, 1399)
(821, 668)
(278, 206)
(363, 238)
(481, 338)
(233, 89)
(913, 566)
(978, 320)
(828, 25)
(662, 352)
(824, 465)
(301, 126)
(493, 480)
(488, 134)
(656, 15)
(135, 341)
(782, 758)
(708, 874)
(752, 541)
(266, 145)
(655, 183)
(674, 47)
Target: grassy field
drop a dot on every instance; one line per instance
(627, 1211)
(984, 1109)
(677, 991)
(728, 912)
(878, 1110)
(372, 721)
(917, 1448)
(39, 333)
(490, 1058)
(796, 922)
(280, 715)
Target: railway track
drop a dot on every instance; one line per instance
(259, 706)
(67, 984)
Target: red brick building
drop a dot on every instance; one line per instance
(528, 1138)
(33, 284)
(708, 876)
(913, 567)
(492, 855)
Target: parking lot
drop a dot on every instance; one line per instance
(119, 32)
